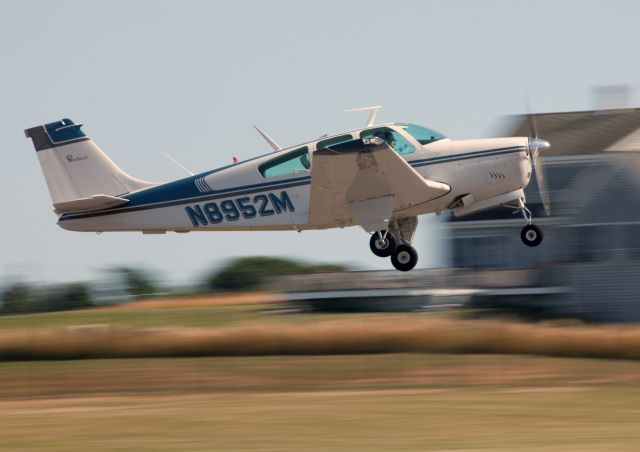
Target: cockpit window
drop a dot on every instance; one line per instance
(422, 135)
(293, 162)
(393, 139)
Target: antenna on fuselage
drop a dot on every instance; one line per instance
(178, 163)
(372, 115)
(268, 139)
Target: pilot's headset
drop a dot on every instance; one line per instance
(304, 160)
(388, 138)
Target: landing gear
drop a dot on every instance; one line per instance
(531, 235)
(404, 258)
(396, 242)
(382, 243)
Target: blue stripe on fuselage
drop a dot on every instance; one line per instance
(465, 156)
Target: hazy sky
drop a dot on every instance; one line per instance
(190, 78)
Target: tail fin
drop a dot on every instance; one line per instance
(79, 175)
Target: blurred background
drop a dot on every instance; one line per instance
(279, 340)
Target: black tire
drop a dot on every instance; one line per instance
(404, 258)
(531, 235)
(385, 249)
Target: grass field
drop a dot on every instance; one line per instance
(364, 402)
(392, 401)
(188, 311)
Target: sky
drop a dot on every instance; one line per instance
(191, 78)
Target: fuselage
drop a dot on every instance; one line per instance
(272, 191)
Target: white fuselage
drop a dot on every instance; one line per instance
(239, 197)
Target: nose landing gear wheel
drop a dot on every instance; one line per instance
(382, 247)
(404, 258)
(531, 235)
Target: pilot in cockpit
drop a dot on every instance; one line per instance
(387, 137)
(304, 160)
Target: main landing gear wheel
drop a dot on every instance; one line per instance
(382, 245)
(404, 258)
(531, 235)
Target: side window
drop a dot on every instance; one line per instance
(393, 139)
(334, 141)
(291, 163)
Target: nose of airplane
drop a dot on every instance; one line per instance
(536, 144)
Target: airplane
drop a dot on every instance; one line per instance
(380, 177)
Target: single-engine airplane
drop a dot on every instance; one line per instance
(380, 177)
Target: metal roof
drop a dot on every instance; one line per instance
(583, 132)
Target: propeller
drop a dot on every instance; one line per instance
(536, 148)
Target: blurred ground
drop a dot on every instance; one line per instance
(366, 402)
(396, 401)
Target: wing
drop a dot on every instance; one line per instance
(364, 184)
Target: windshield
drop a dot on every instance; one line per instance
(422, 135)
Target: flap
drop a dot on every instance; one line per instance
(362, 173)
(95, 202)
(372, 214)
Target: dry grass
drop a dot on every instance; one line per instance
(196, 301)
(344, 336)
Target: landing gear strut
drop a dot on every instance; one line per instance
(396, 242)
(531, 234)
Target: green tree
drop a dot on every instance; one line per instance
(22, 298)
(136, 281)
(18, 298)
(67, 296)
(247, 273)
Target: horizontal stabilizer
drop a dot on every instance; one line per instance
(95, 202)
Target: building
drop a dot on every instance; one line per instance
(591, 244)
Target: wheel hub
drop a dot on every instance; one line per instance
(403, 257)
(531, 235)
(381, 244)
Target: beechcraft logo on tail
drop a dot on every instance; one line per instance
(71, 158)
